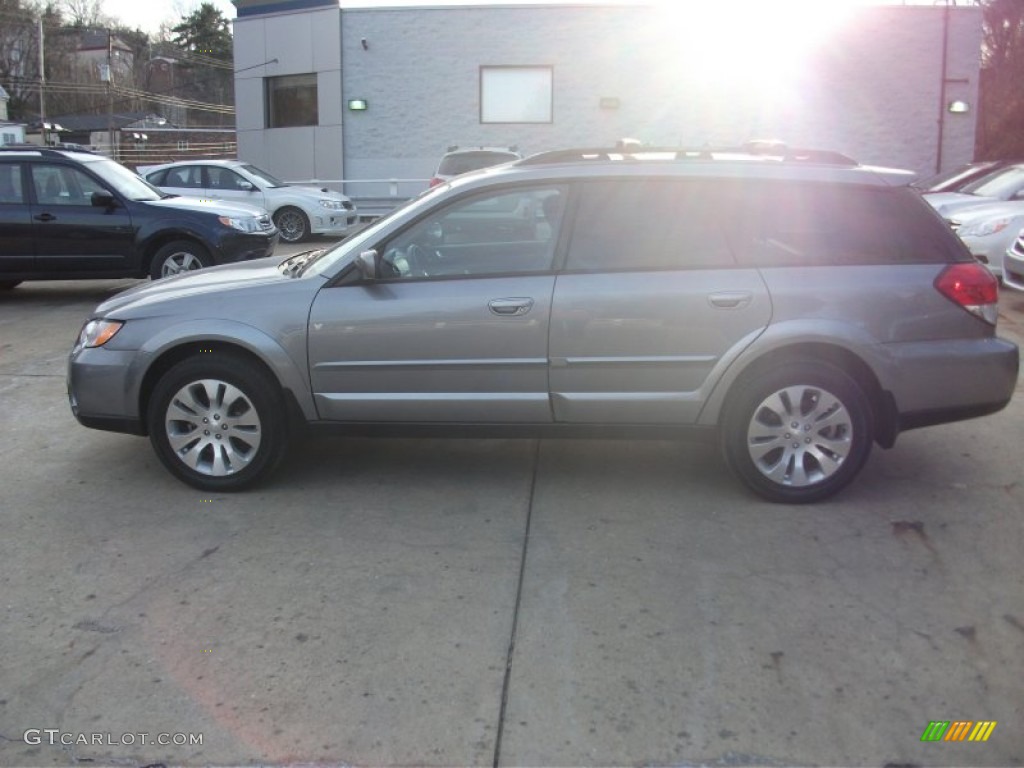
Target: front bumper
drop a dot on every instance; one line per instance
(99, 390)
(244, 246)
(1013, 266)
(333, 222)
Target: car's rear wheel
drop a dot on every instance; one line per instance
(6, 285)
(218, 424)
(292, 223)
(797, 433)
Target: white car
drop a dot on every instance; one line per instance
(1013, 264)
(989, 230)
(298, 211)
(1004, 184)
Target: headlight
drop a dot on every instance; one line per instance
(242, 224)
(334, 205)
(96, 333)
(984, 228)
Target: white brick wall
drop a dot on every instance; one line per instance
(872, 89)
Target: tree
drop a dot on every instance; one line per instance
(206, 32)
(1001, 122)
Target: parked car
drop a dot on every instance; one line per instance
(458, 161)
(1004, 184)
(1013, 264)
(298, 210)
(989, 230)
(957, 178)
(799, 310)
(67, 215)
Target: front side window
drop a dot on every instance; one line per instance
(226, 179)
(291, 101)
(648, 224)
(63, 185)
(516, 94)
(511, 231)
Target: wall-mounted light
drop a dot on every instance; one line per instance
(959, 107)
(358, 105)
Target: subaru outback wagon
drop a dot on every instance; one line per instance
(795, 305)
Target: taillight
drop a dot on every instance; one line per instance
(434, 182)
(972, 287)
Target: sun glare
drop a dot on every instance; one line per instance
(749, 43)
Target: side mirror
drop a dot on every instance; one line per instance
(246, 186)
(366, 265)
(103, 200)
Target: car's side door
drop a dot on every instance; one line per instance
(71, 233)
(650, 301)
(455, 328)
(17, 253)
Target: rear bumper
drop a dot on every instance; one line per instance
(939, 382)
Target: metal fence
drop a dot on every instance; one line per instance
(372, 197)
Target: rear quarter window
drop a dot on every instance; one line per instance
(793, 224)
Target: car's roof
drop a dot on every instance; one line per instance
(669, 163)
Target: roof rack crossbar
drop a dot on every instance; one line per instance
(645, 154)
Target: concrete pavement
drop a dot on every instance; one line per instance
(483, 602)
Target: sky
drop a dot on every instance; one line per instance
(149, 14)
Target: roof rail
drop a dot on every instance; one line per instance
(47, 151)
(632, 153)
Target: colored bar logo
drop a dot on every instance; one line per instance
(958, 730)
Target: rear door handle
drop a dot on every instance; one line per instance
(517, 306)
(730, 299)
(45, 217)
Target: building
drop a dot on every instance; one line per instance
(325, 92)
(10, 133)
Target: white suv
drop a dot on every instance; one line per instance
(458, 161)
(298, 211)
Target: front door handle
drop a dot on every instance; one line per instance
(45, 217)
(510, 307)
(730, 299)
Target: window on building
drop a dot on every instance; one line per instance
(9, 138)
(291, 100)
(182, 146)
(516, 94)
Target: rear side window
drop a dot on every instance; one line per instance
(10, 184)
(649, 224)
(793, 224)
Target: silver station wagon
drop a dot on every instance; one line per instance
(794, 305)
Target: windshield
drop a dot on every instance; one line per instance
(126, 183)
(1002, 184)
(269, 179)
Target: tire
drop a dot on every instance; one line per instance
(807, 462)
(178, 257)
(292, 224)
(6, 285)
(233, 394)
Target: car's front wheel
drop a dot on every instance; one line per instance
(292, 223)
(178, 257)
(218, 424)
(797, 433)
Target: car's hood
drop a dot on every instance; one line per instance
(317, 192)
(216, 207)
(225, 278)
(982, 211)
(945, 202)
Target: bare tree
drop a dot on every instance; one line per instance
(1001, 122)
(84, 13)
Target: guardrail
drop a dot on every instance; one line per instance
(372, 197)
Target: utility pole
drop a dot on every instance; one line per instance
(42, 84)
